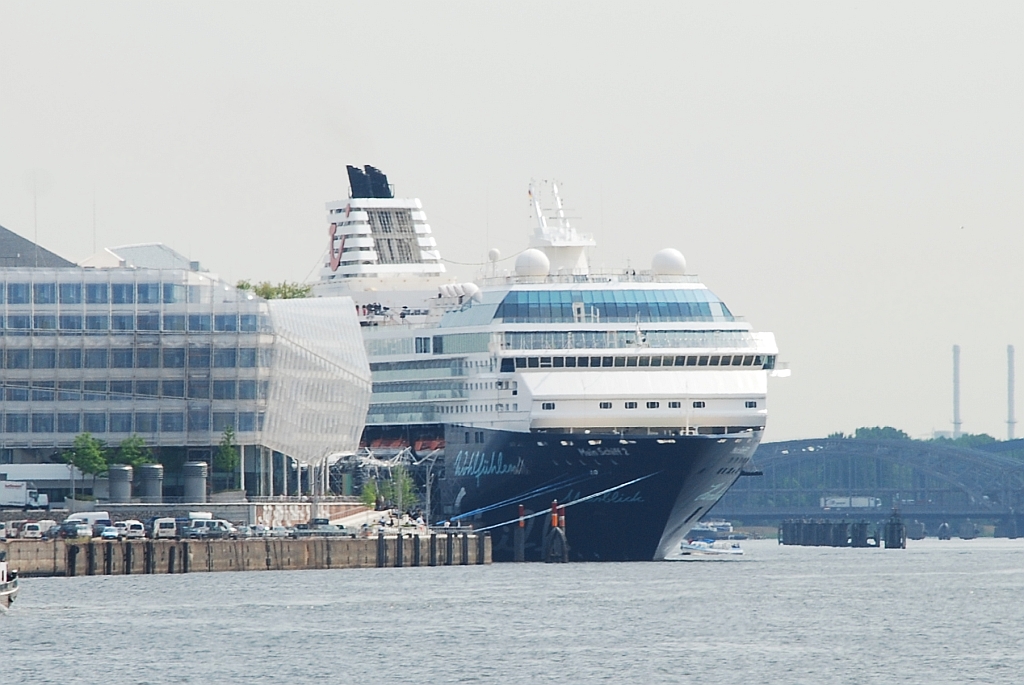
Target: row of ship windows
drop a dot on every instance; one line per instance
(698, 404)
(509, 364)
(171, 323)
(127, 422)
(96, 391)
(138, 358)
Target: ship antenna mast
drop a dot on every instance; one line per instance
(542, 224)
(562, 221)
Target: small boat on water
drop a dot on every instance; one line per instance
(710, 548)
(8, 583)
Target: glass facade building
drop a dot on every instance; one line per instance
(175, 356)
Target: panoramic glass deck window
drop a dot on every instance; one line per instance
(611, 306)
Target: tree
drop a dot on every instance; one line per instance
(225, 459)
(88, 455)
(398, 491)
(838, 435)
(880, 433)
(282, 291)
(134, 452)
(969, 440)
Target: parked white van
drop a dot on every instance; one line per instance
(134, 529)
(165, 528)
(36, 529)
(90, 517)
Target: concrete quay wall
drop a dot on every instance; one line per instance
(100, 557)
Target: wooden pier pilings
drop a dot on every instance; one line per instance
(125, 557)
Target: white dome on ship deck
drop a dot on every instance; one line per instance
(668, 262)
(532, 262)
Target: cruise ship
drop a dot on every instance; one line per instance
(634, 398)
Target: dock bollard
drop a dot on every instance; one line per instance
(90, 560)
(433, 550)
(186, 560)
(481, 547)
(465, 549)
(72, 563)
(128, 558)
(415, 550)
(399, 550)
(449, 549)
(519, 536)
(172, 552)
(382, 551)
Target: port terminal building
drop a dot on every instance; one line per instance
(140, 340)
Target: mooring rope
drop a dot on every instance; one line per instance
(547, 512)
(530, 494)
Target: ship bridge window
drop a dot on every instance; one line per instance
(748, 360)
(653, 405)
(606, 405)
(702, 361)
(645, 361)
(570, 362)
(751, 404)
(699, 404)
(620, 361)
(630, 405)
(714, 360)
(547, 406)
(605, 361)
(545, 362)
(533, 362)
(656, 361)
(769, 361)
(558, 362)
(630, 361)
(508, 365)
(583, 362)
(674, 405)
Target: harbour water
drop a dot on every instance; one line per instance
(938, 612)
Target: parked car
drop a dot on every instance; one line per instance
(121, 526)
(164, 528)
(134, 529)
(110, 533)
(212, 528)
(279, 532)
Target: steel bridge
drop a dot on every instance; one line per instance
(932, 481)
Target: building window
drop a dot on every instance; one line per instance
(198, 390)
(122, 358)
(225, 357)
(223, 420)
(17, 391)
(42, 391)
(95, 359)
(199, 322)
(70, 359)
(606, 405)
(17, 359)
(199, 357)
(94, 391)
(246, 390)
(70, 391)
(174, 357)
(174, 322)
(172, 422)
(172, 388)
(699, 404)
(120, 391)
(19, 321)
(120, 422)
(225, 322)
(223, 390)
(147, 322)
(247, 323)
(44, 359)
(246, 421)
(17, 423)
(95, 422)
(70, 293)
(97, 293)
(653, 405)
(147, 358)
(147, 388)
(122, 293)
(173, 293)
(145, 422)
(70, 322)
(247, 358)
(121, 322)
(97, 322)
(42, 423)
(149, 293)
(45, 322)
(630, 405)
(17, 293)
(44, 293)
(750, 404)
(69, 423)
(199, 419)
(674, 405)
(547, 405)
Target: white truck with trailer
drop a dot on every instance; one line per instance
(18, 495)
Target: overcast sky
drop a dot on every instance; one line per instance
(848, 178)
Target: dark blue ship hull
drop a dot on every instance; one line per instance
(629, 497)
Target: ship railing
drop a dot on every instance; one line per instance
(593, 276)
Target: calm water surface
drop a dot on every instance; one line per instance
(939, 612)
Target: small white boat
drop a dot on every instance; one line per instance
(8, 583)
(711, 548)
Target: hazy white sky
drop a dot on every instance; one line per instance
(847, 177)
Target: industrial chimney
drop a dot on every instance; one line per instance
(956, 391)
(1011, 421)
